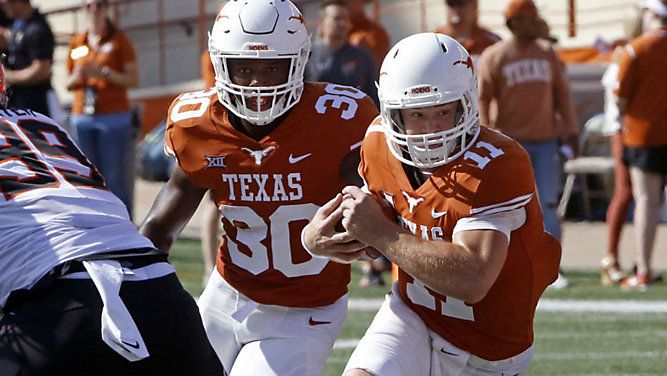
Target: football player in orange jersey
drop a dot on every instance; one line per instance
(472, 253)
(271, 149)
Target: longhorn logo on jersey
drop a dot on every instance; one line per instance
(412, 201)
(259, 155)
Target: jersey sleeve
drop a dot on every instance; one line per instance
(180, 136)
(507, 184)
(169, 146)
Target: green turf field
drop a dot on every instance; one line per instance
(567, 343)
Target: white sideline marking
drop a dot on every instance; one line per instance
(352, 343)
(607, 306)
(620, 334)
(556, 305)
(598, 355)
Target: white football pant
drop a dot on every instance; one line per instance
(398, 343)
(258, 339)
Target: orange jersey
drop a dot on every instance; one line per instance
(643, 85)
(268, 190)
(493, 176)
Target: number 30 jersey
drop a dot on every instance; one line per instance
(493, 176)
(54, 206)
(268, 190)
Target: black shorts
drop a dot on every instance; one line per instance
(57, 331)
(651, 159)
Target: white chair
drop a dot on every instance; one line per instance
(594, 159)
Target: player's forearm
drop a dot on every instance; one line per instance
(161, 237)
(447, 268)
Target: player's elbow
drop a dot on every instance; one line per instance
(475, 294)
(480, 287)
(158, 237)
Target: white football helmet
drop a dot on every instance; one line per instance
(424, 70)
(259, 29)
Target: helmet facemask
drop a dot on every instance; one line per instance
(271, 101)
(430, 150)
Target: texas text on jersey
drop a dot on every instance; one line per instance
(500, 325)
(268, 190)
(43, 179)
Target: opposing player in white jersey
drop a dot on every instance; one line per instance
(271, 149)
(81, 291)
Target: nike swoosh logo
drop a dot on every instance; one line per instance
(134, 345)
(448, 353)
(293, 159)
(436, 214)
(312, 322)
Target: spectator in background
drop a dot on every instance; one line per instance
(333, 59)
(642, 94)
(611, 272)
(462, 25)
(523, 78)
(29, 45)
(619, 204)
(102, 65)
(366, 32)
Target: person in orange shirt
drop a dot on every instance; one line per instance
(642, 93)
(471, 249)
(366, 32)
(462, 25)
(102, 65)
(523, 79)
